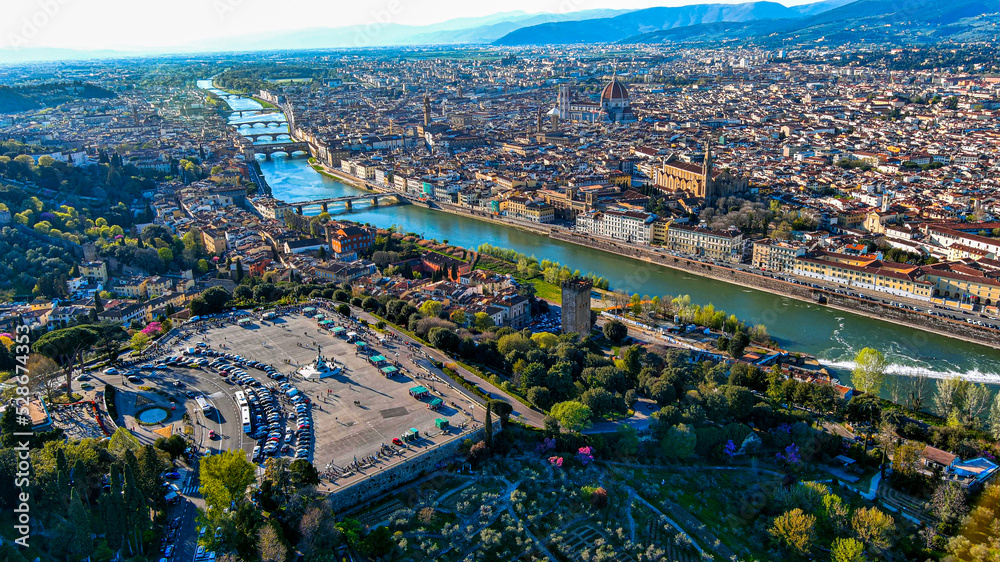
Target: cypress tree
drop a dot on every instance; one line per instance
(81, 545)
(489, 425)
(113, 513)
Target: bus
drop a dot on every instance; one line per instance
(203, 404)
(241, 399)
(245, 415)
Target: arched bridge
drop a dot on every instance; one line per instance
(259, 134)
(251, 120)
(348, 201)
(287, 147)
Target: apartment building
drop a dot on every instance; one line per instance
(703, 242)
(776, 255)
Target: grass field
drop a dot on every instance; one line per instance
(546, 290)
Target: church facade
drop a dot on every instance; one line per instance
(694, 180)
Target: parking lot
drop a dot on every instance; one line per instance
(353, 415)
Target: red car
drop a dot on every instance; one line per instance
(396, 441)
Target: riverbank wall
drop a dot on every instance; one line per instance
(875, 310)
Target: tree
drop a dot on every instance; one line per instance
(431, 308)
(457, 316)
(949, 504)
(572, 416)
(977, 400)
(869, 370)
(173, 445)
(950, 396)
(80, 545)
(482, 322)
(615, 331)
(488, 425)
(66, 346)
(139, 341)
(224, 480)
(679, 442)
(503, 410)
(270, 544)
(303, 473)
(795, 530)
(873, 527)
(994, 420)
(847, 550)
(45, 377)
(738, 344)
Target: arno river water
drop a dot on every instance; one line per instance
(831, 335)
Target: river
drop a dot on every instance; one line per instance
(833, 336)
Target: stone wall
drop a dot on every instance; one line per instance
(910, 318)
(395, 476)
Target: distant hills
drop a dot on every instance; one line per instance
(874, 21)
(452, 32)
(768, 24)
(651, 20)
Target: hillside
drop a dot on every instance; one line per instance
(601, 30)
(871, 21)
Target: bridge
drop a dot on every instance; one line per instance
(251, 120)
(287, 147)
(258, 136)
(348, 201)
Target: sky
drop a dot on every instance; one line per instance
(152, 25)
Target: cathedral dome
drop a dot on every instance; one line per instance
(614, 91)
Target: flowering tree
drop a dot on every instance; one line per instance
(152, 329)
(791, 455)
(730, 449)
(547, 444)
(585, 455)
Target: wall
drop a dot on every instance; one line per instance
(390, 478)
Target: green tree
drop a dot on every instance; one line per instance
(488, 425)
(66, 347)
(679, 442)
(847, 550)
(873, 527)
(994, 419)
(869, 370)
(615, 331)
(224, 480)
(572, 416)
(482, 322)
(431, 308)
(795, 530)
(79, 545)
(503, 410)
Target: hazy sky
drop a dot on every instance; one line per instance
(159, 24)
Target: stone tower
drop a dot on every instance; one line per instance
(427, 110)
(576, 306)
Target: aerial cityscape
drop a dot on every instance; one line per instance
(577, 281)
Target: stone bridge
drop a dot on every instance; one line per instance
(348, 201)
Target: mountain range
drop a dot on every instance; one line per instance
(873, 21)
(650, 20)
(761, 23)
